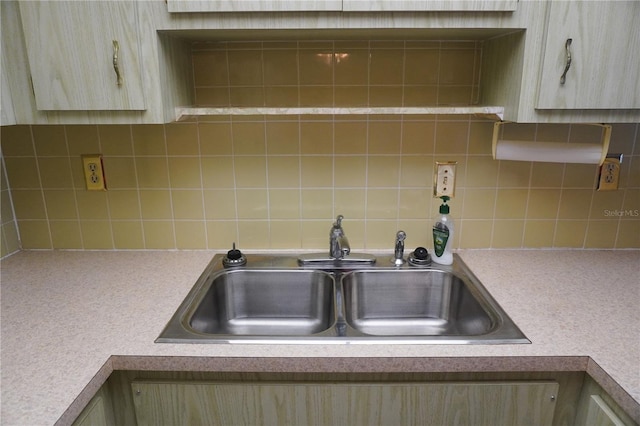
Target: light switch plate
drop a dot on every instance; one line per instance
(444, 179)
(93, 172)
(610, 173)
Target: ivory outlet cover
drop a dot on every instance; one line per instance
(93, 172)
(444, 179)
(610, 173)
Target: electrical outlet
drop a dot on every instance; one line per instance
(610, 173)
(93, 172)
(444, 179)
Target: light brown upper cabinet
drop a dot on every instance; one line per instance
(339, 5)
(431, 5)
(84, 55)
(604, 51)
(253, 5)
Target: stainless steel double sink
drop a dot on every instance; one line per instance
(272, 299)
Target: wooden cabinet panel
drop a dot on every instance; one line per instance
(431, 5)
(605, 56)
(339, 5)
(597, 408)
(253, 5)
(600, 414)
(95, 414)
(70, 50)
(473, 403)
(7, 114)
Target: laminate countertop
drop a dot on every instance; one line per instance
(69, 318)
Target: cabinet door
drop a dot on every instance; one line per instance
(600, 414)
(253, 5)
(70, 45)
(477, 403)
(94, 414)
(7, 115)
(605, 56)
(431, 5)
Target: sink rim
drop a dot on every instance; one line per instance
(340, 331)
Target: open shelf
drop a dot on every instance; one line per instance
(492, 112)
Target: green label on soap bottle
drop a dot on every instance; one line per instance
(440, 237)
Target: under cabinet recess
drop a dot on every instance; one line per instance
(339, 76)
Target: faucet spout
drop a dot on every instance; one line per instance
(338, 241)
(398, 253)
(339, 251)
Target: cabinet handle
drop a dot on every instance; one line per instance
(116, 65)
(567, 47)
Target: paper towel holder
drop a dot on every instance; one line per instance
(551, 152)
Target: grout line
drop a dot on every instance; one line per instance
(44, 200)
(438, 74)
(560, 189)
(235, 185)
(75, 195)
(404, 67)
(267, 187)
(524, 219)
(14, 218)
(226, 58)
(298, 72)
(366, 184)
(204, 216)
(495, 194)
(113, 239)
(399, 180)
(334, 213)
(135, 172)
(300, 206)
(528, 197)
(170, 194)
(262, 83)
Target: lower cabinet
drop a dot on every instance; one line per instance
(249, 403)
(597, 408)
(134, 397)
(98, 412)
(600, 414)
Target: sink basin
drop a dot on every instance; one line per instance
(274, 299)
(264, 302)
(414, 303)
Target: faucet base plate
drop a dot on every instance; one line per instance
(324, 258)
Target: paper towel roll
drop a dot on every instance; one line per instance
(552, 152)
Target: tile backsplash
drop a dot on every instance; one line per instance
(356, 73)
(277, 182)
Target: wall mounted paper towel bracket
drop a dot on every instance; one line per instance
(551, 152)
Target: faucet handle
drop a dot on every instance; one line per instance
(338, 223)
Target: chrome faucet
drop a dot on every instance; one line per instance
(338, 241)
(339, 251)
(398, 253)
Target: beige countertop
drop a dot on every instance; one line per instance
(70, 318)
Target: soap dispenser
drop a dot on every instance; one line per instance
(443, 235)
